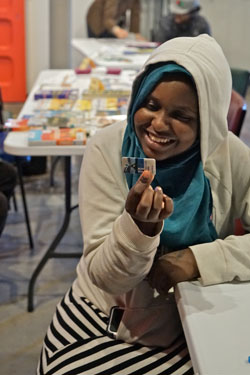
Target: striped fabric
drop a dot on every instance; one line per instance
(76, 343)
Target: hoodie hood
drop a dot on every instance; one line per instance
(204, 59)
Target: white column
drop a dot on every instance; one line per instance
(37, 39)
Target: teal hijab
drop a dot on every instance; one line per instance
(181, 177)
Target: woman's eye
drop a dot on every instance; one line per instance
(182, 117)
(151, 105)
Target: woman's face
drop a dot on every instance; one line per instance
(167, 124)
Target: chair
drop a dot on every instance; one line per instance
(240, 79)
(236, 113)
(1, 109)
(235, 118)
(3, 134)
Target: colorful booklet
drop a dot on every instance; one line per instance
(57, 136)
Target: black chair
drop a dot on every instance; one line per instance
(237, 112)
(1, 109)
(19, 170)
(240, 79)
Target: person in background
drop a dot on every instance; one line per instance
(184, 20)
(142, 233)
(8, 179)
(114, 19)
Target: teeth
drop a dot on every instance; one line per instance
(159, 140)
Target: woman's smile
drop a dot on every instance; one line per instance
(155, 138)
(156, 144)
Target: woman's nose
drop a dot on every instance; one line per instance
(161, 121)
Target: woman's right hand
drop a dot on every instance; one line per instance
(119, 32)
(172, 268)
(148, 207)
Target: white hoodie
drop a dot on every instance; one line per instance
(117, 256)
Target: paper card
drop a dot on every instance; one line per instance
(138, 165)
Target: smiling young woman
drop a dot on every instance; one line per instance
(142, 233)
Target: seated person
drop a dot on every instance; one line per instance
(142, 233)
(8, 177)
(183, 20)
(107, 18)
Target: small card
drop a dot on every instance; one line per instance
(138, 165)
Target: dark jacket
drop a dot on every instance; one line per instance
(169, 29)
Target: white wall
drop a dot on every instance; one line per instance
(230, 23)
(37, 39)
(79, 10)
(151, 11)
(60, 34)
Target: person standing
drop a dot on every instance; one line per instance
(183, 20)
(108, 18)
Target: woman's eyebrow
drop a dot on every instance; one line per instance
(151, 96)
(184, 107)
(187, 108)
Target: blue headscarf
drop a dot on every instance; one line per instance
(181, 177)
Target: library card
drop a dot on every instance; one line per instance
(134, 165)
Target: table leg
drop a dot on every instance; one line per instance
(50, 252)
(26, 214)
(54, 162)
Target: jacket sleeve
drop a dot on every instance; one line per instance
(117, 255)
(109, 14)
(164, 31)
(228, 259)
(135, 17)
(204, 27)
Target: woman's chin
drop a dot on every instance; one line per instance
(157, 151)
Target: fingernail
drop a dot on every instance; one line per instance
(158, 188)
(145, 177)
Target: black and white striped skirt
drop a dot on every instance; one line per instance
(76, 343)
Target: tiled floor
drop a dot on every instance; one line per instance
(21, 333)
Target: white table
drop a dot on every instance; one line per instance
(53, 78)
(216, 322)
(113, 53)
(16, 143)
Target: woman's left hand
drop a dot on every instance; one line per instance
(171, 269)
(146, 206)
